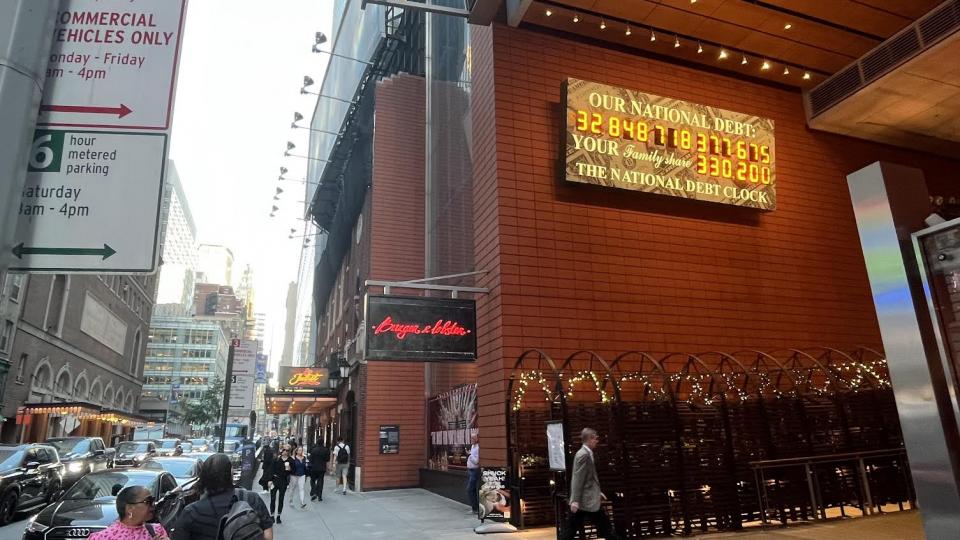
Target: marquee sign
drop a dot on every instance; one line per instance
(302, 378)
(625, 139)
(418, 328)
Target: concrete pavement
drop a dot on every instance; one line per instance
(407, 514)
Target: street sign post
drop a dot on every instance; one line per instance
(94, 186)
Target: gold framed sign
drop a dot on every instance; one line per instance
(631, 140)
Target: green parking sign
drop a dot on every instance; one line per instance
(46, 152)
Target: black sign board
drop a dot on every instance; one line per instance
(418, 328)
(389, 439)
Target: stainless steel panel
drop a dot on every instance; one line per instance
(890, 202)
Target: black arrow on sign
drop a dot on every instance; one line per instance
(19, 250)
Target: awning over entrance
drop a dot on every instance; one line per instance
(81, 410)
(292, 402)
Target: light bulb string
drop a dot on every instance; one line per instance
(580, 16)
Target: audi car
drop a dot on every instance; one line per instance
(30, 476)
(91, 504)
(134, 452)
(81, 455)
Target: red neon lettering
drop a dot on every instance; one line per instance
(401, 331)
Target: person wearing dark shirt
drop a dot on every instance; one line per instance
(279, 480)
(319, 456)
(267, 457)
(200, 520)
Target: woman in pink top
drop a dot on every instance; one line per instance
(135, 507)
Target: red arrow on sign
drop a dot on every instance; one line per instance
(120, 111)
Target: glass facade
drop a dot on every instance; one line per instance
(183, 356)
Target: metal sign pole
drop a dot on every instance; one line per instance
(226, 393)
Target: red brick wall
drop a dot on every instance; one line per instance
(580, 267)
(394, 392)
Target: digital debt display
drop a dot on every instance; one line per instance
(630, 140)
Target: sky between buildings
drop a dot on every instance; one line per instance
(241, 69)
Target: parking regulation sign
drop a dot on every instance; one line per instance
(91, 202)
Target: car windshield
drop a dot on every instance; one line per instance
(199, 442)
(96, 486)
(230, 446)
(186, 447)
(168, 443)
(66, 446)
(181, 468)
(130, 447)
(10, 458)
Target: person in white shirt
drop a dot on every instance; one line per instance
(473, 474)
(341, 453)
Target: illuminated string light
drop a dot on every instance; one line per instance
(786, 70)
(603, 24)
(699, 48)
(653, 35)
(549, 13)
(723, 54)
(576, 18)
(628, 32)
(765, 66)
(787, 26)
(743, 61)
(676, 42)
(806, 75)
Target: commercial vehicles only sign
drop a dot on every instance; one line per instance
(113, 64)
(95, 177)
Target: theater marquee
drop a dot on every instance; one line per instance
(630, 140)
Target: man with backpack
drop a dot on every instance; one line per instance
(223, 512)
(342, 453)
(319, 456)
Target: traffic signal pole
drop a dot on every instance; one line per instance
(26, 37)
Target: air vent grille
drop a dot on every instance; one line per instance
(890, 54)
(834, 89)
(911, 41)
(940, 22)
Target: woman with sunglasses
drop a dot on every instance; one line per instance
(280, 479)
(134, 508)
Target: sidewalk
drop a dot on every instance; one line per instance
(408, 514)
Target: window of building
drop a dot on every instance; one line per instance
(16, 285)
(5, 335)
(21, 366)
(135, 353)
(57, 303)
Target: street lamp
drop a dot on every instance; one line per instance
(320, 38)
(344, 368)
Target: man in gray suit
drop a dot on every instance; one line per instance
(585, 494)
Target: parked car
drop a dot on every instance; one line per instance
(200, 445)
(90, 505)
(166, 447)
(134, 453)
(30, 475)
(186, 446)
(184, 469)
(200, 456)
(81, 455)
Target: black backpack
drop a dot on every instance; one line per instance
(241, 521)
(343, 456)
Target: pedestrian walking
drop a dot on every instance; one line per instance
(201, 520)
(473, 474)
(135, 506)
(342, 453)
(585, 495)
(298, 476)
(319, 456)
(279, 481)
(267, 457)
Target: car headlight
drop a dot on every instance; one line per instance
(75, 466)
(33, 526)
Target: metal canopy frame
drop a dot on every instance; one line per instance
(423, 6)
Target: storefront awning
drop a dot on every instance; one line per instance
(299, 402)
(80, 409)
